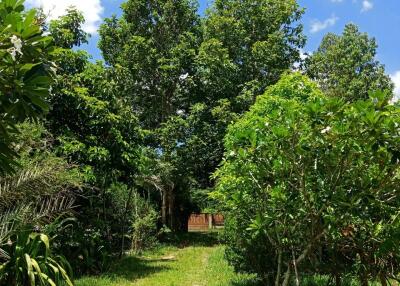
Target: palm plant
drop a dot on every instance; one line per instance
(29, 199)
(36, 194)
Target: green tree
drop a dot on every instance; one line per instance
(67, 31)
(346, 65)
(100, 130)
(188, 79)
(95, 128)
(155, 42)
(246, 46)
(26, 73)
(308, 185)
(262, 38)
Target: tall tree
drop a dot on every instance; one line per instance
(262, 38)
(96, 129)
(246, 46)
(154, 45)
(101, 130)
(188, 79)
(155, 41)
(346, 65)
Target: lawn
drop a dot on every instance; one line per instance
(192, 260)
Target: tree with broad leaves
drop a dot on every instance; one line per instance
(346, 65)
(309, 184)
(26, 73)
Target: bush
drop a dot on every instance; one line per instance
(309, 185)
(144, 226)
(37, 194)
(29, 261)
(84, 245)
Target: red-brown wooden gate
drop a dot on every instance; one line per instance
(205, 222)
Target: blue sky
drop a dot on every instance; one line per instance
(379, 18)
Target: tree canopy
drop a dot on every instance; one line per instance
(346, 65)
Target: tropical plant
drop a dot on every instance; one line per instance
(26, 73)
(27, 260)
(28, 197)
(309, 184)
(31, 198)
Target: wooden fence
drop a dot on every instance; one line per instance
(205, 222)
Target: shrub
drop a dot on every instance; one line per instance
(27, 260)
(144, 226)
(40, 192)
(310, 184)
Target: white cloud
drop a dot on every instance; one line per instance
(317, 25)
(367, 5)
(336, 1)
(91, 9)
(396, 79)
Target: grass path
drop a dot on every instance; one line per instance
(191, 264)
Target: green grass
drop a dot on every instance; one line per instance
(191, 259)
(187, 260)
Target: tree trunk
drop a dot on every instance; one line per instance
(127, 205)
(287, 276)
(164, 208)
(278, 273)
(171, 214)
(302, 256)
(383, 280)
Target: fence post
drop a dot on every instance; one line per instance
(210, 221)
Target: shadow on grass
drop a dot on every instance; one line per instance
(132, 268)
(185, 239)
(251, 282)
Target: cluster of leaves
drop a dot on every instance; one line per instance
(26, 73)
(309, 184)
(31, 261)
(345, 65)
(144, 227)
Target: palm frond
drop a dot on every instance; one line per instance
(11, 219)
(32, 181)
(36, 195)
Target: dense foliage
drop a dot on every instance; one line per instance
(26, 73)
(309, 183)
(345, 65)
(97, 159)
(187, 79)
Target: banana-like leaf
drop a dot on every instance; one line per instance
(29, 269)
